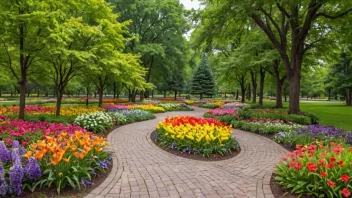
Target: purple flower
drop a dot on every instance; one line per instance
(86, 182)
(15, 155)
(3, 184)
(32, 169)
(103, 164)
(15, 144)
(22, 151)
(16, 174)
(5, 155)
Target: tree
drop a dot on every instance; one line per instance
(175, 82)
(342, 72)
(202, 80)
(287, 24)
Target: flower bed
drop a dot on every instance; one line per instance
(311, 133)
(203, 136)
(115, 100)
(27, 132)
(65, 111)
(96, 122)
(234, 105)
(175, 107)
(281, 115)
(220, 111)
(209, 105)
(319, 170)
(265, 126)
(128, 116)
(147, 107)
(69, 160)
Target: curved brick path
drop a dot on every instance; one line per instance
(141, 169)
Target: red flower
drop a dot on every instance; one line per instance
(338, 150)
(329, 165)
(341, 163)
(332, 159)
(323, 174)
(351, 149)
(345, 192)
(312, 167)
(323, 154)
(321, 162)
(298, 146)
(332, 144)
(25, 143)
(345, 178)
(9, 141)
(330, 183)
(298, 166)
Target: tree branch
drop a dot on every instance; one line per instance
(321, 14)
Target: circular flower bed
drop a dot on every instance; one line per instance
(319, 170)
(96, 122)
(202, 136)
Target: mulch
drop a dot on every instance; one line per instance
(213, 157)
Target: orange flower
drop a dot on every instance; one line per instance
(66, 160)
(38, 155)
(28, 154)
(98, 149)
(73, 148)
(76, 154)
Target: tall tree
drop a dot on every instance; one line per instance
(288, 25)
(202, 80)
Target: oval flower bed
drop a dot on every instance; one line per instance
(319, 170)
(200, 136)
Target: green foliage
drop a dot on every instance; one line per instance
(244, 113)
(298, 119)
(209, 105)
(46, 118)
(264, 128)
(202, 80)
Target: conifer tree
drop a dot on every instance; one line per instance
(202, 80)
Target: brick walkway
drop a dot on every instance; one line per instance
(141, 169)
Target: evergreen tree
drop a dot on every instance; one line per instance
(202, 80)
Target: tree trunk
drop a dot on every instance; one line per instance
(254, 85)
(201, 96)
(329, 94)
(249, 92)
(100, 94)
(58, 101)
(295, 84)
(28, 94)
(37, 93)
(164, 94)
(141, 96)
(134, 94)
(114, 89)
(261, 86)
(87, 99)
(350, 104)
(225, 96)
(237, 94)
(153, 93)
(243, 93)
(175, 94)
(22, 99)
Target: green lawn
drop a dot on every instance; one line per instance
(330, 113)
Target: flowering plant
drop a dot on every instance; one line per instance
(27, 132)
(265, 127)
(69, 160)
(218, 112)
(97, 122)
(147, 107)
(311, 133)
(209, 105)
(15, 172)
(234, 105)
(196, 135)
(175, 107)
(65, 111)
(129, 116)
(115, 100)
(319, 170)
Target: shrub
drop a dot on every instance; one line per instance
(203, 136)
(264, 127)
(175, 107)
(209, 105)
(129, 116)
(244, 113)
(96, 122)
(298, 119)
(319, 170)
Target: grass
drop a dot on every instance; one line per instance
(330, 113)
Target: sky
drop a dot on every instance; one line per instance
(189, 4)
